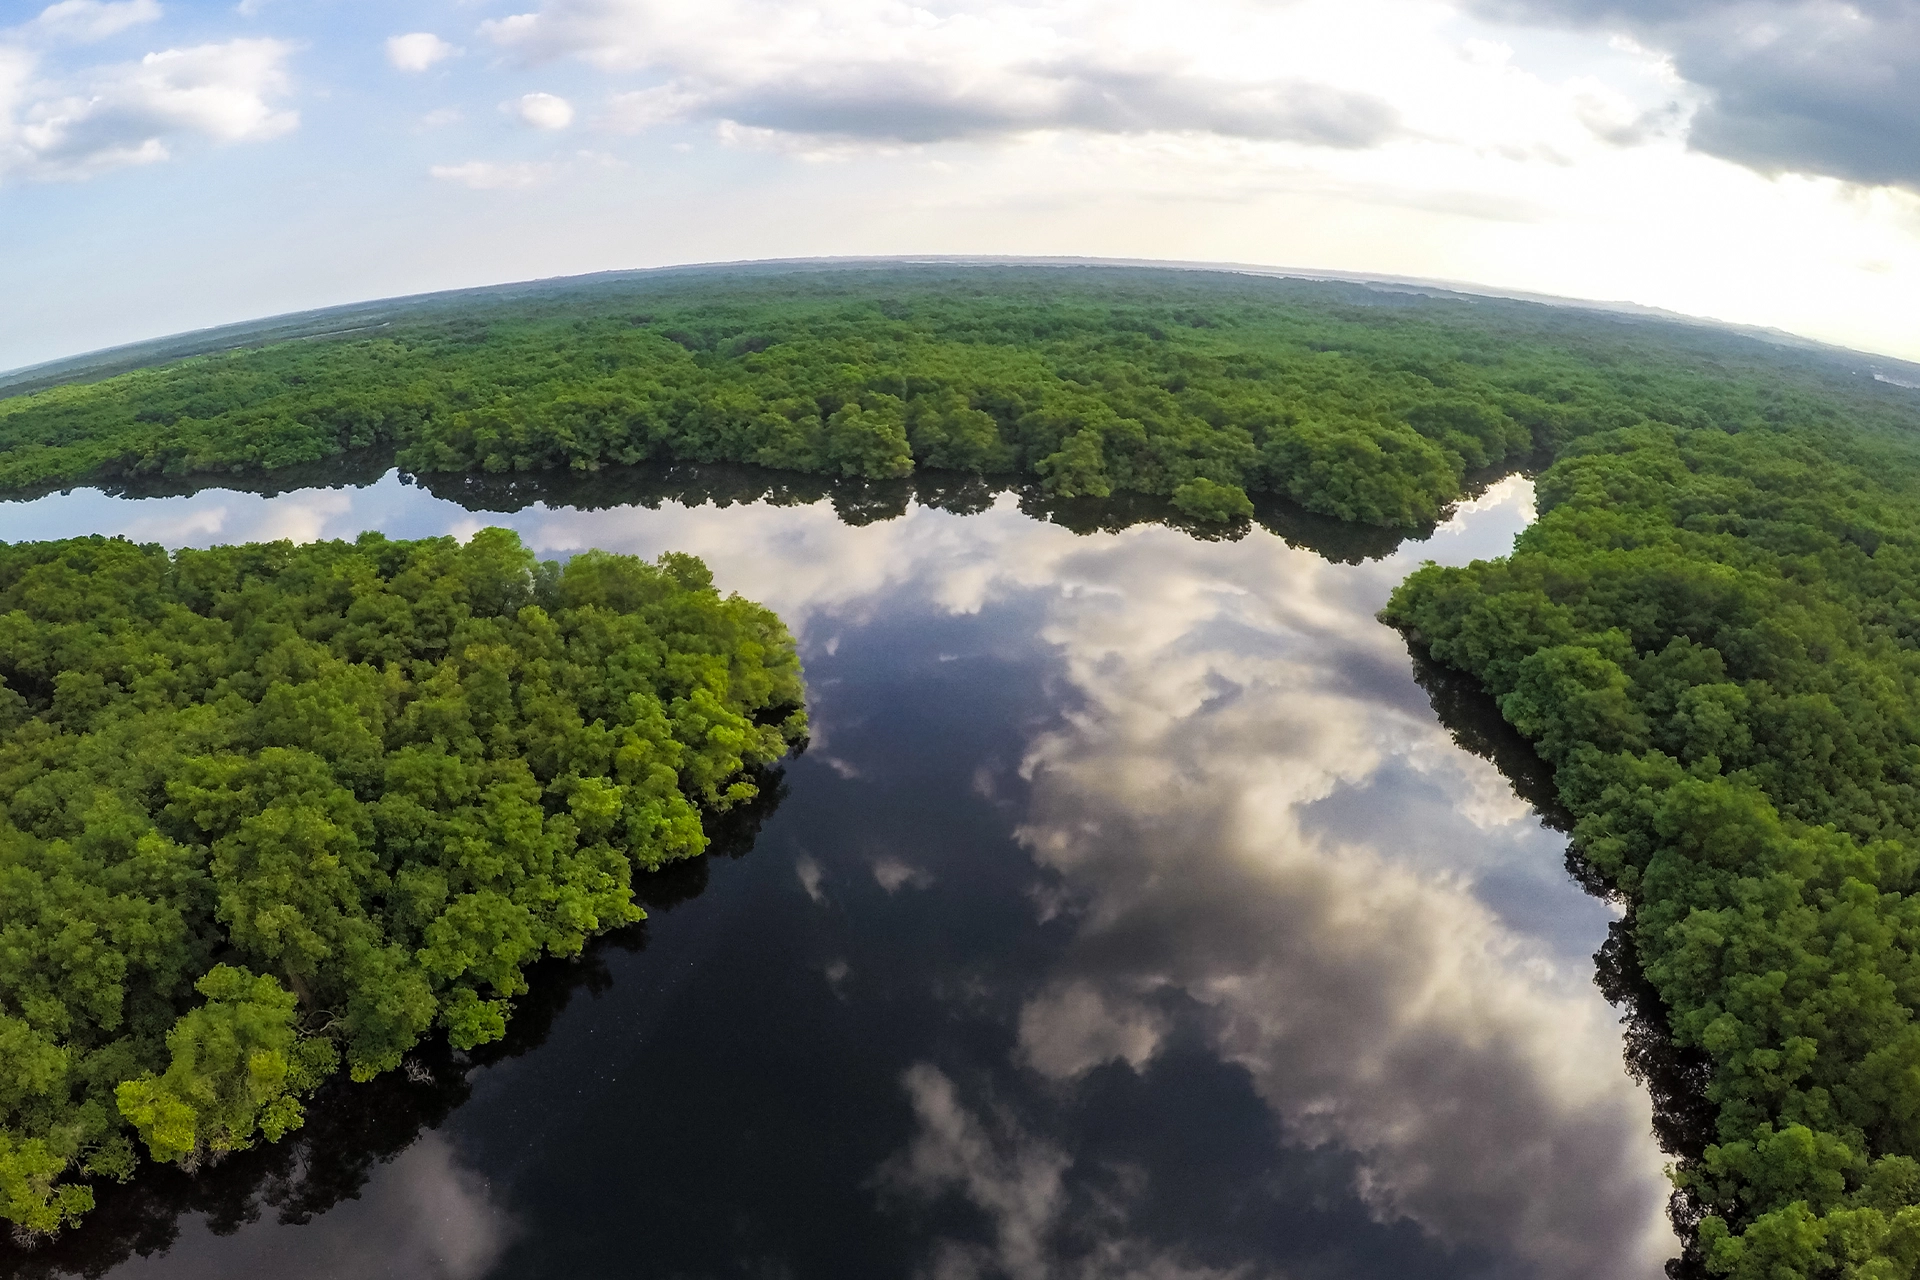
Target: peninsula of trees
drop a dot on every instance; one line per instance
(1713, 635)
(272, 812)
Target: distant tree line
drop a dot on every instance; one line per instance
(1195, 390)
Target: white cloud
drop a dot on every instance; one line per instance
(84, 20)
(130, 113)
(16, 72)
(541, 110)
(888, 70)
(482, 175)
(418, 50)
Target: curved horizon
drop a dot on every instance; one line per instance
(238, 329)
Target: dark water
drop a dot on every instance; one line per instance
(1132, 914)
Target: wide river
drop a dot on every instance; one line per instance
(1131, 914)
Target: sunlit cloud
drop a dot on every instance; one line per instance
(132, 113)
(882, 70)
(541, 110)
(417, 51)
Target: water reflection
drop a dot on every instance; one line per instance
(1131, 914)
(340, 497)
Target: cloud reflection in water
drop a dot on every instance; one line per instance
(1255, 838)
(425, 1216)
(1378, 1003)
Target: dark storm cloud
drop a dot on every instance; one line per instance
(1815, 87)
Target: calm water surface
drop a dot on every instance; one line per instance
(1131, 914)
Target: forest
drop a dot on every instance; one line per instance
(1711, 636)
(1362, 405)
(273, 813)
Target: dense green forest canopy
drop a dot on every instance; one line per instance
(1712, 636)
(1364, 404)
(270, 812)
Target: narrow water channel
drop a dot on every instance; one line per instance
(1131, 914)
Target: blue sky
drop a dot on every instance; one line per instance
(166, 165)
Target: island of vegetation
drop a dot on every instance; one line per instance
(1712, 635)
(269, 813)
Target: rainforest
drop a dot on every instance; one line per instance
(275, 814)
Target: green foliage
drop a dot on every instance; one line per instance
(238, 1067)
(1366, 406)
(388, 776)
(1714, 637)
(1206, 500)
(268, 809)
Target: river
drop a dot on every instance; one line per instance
(1132, 913)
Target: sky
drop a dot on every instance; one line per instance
(172, 164)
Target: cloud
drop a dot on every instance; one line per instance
(811, 877)
(837, 972)
(541, 110)
(1265, 848)
(484, 175)
(131, 113)
(1809, 86)
(879, 69)
(1043, 1228)
(1072, 1028)
(85, 20)
(425, 1214)
(894, 875)
(418, 50)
